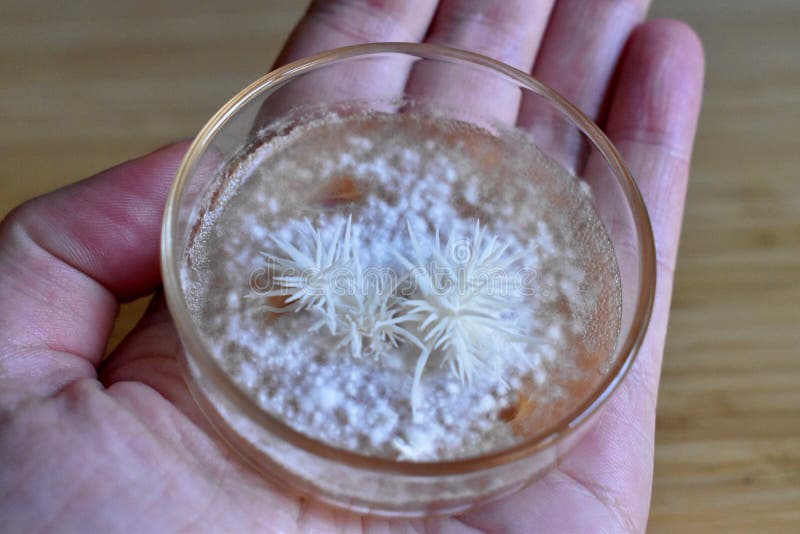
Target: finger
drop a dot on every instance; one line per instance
(332, 24)
(652, 120)
(66, 259)
(508, 31)
(580, 50)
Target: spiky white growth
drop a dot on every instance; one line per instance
(325, 276)
(306, 274)
(463, 292)
(377, 319)
(372, 312)
(458, 308)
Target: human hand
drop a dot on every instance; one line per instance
(117, 444)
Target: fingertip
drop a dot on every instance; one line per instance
(161, 162)
(108, 226)
(676, 38)
(659, 89)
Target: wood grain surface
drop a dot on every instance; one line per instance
(89, 83)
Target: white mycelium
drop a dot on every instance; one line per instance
(455, 306)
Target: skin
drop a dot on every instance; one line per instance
(117, 445)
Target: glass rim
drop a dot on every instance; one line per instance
(628, 343)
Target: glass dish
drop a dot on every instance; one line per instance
(375, 76)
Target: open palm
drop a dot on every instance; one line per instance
(117, 444)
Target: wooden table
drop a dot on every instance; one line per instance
(88, 84)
